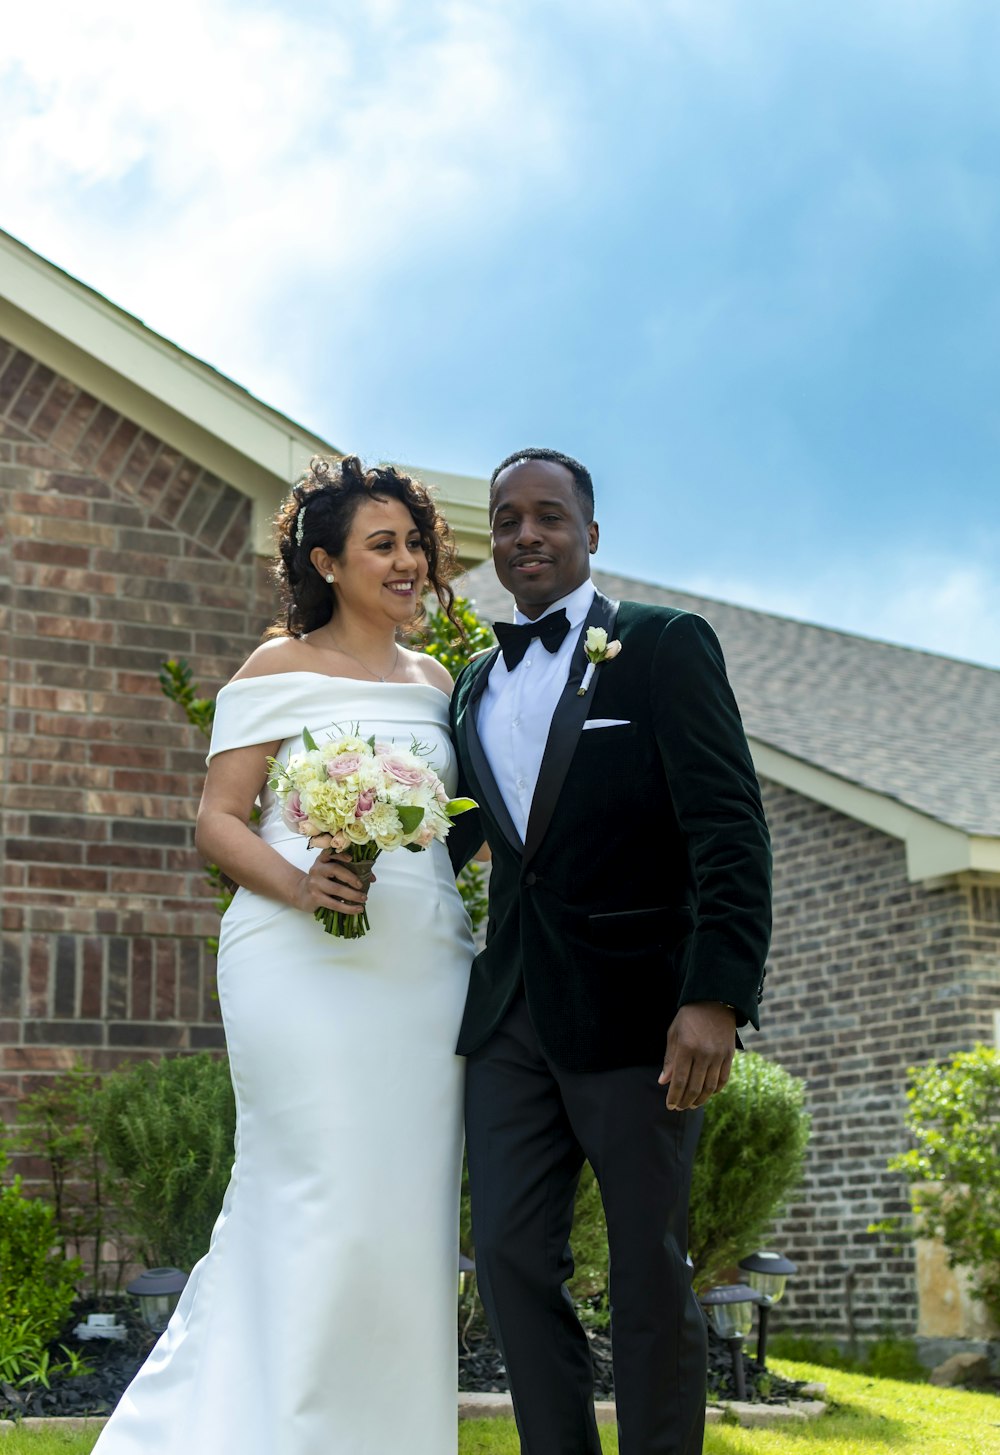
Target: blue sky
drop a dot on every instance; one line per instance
(741, 258)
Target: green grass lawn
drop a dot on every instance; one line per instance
(871, 1417)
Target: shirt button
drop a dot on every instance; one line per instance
(527, 661)
(521, 783)
(516, 722)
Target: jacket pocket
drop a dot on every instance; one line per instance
(640, 931)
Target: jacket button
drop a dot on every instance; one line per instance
(530, 878)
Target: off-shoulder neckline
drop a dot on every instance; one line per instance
(329, 677)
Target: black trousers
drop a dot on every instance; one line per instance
(529, 1127)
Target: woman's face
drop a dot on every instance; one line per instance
(382, 570)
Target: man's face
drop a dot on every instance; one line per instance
(542, 540)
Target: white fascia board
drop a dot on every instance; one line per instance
(152, 364)
(933, 849)
(465, 501)
(183, 401)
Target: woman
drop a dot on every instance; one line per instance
(322, 1319)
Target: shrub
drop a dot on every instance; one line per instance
(885, 1358)
(166, 1130)
(749, 1159)
(953, 1113)
(56, 1124)
(589, 1241)
(37, 1282)
(438, 639)
(892, 1358)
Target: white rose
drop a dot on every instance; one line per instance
(597, 639)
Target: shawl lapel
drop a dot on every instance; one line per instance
(564, 731)
(476, 757)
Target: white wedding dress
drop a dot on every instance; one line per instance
(322, 1320)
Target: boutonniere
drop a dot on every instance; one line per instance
(598, 650)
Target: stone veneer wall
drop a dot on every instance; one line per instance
(116, 553)
(868, 974)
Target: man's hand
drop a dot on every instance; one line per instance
(701, 1044)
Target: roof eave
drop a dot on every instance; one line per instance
(77, 332)
(934, 849)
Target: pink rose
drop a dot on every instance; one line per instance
(404, 772)
(366, 802)
(425, 836)
(293, 812)
(343, 766)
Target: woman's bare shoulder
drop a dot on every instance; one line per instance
(280, 654)
(430, 671)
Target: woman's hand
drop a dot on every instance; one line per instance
(331, 884)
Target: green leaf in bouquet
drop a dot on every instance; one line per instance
(413, 848)
(410, 816)
(455, 806)
(309, 740)
(371, 742)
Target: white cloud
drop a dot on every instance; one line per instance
(200, 162)
(937, 602)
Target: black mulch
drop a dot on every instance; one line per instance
(113, 1363)
(480, 1369)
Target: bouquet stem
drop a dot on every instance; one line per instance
(352, 926)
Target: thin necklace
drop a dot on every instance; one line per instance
(377, 675)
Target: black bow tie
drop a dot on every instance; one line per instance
(515, 640)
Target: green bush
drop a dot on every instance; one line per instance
(750, 1157)
(885, 1358)
(166, 1130)
(57, 1125)
(953, 1114)
(589, 1284)
(439, 639)
(892, 1358)
(37, 1282)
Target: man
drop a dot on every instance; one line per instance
(628, 927)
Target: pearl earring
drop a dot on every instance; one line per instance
(330, 579)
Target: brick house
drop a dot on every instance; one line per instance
(880, 768)
(136, 489)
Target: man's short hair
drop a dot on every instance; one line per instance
(582, 482)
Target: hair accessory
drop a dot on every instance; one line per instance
(300, 524)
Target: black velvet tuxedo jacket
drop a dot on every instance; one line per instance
(644, 879)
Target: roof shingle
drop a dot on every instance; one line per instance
(910, 725)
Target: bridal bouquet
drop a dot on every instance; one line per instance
(354, 794)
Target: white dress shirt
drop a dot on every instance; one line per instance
(515, 710)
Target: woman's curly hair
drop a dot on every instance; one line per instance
(320, 512)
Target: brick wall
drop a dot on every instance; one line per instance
(116, 553)
(868, 975)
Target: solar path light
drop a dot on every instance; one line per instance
(158, 1290)
(767, 1273)
(730, 1307)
